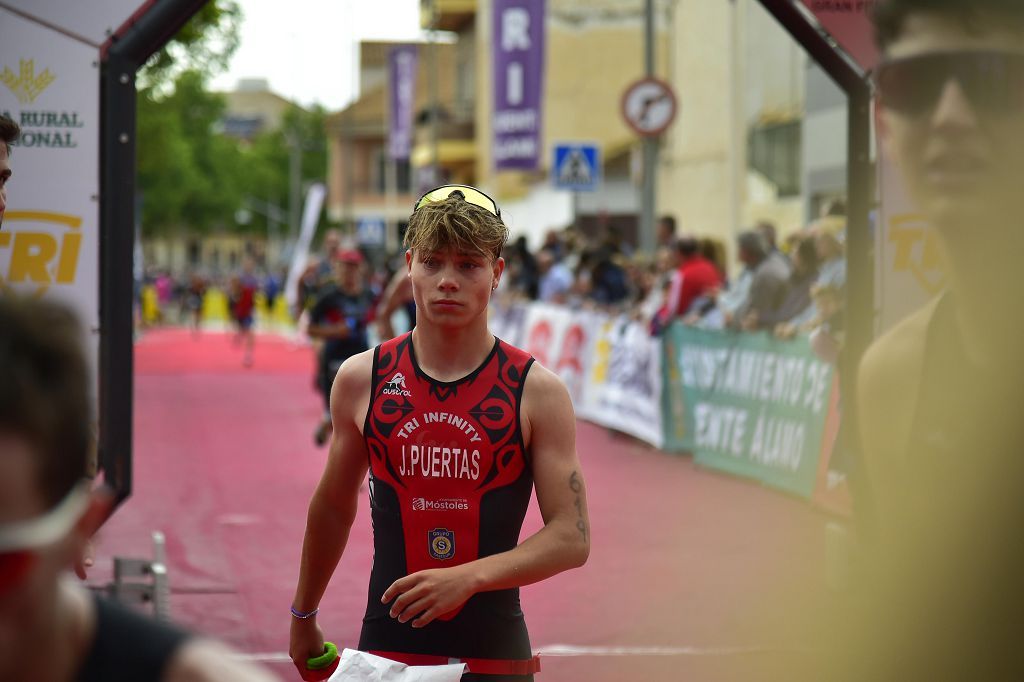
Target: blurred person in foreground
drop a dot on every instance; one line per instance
(940, 395)
(9, 132)
(52, 629)
(456, 428)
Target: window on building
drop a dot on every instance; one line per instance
(774, 151)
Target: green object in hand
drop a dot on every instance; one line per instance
(325, 659)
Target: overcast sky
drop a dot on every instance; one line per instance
(306, 48)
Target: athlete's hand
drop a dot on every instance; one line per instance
(306, 641)
(429, 594)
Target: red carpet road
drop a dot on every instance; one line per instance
(687, 565)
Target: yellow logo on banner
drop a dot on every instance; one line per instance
(917, 251)
(26, 86)
(41, 258)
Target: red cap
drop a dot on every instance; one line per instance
(348, 256)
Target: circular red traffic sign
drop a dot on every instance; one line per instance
(649, 106)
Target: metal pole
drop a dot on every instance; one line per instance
(860, 304)
(650, 145)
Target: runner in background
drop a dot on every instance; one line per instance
(242, 300)
(339, 320)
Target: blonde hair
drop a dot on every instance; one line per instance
(456, 224)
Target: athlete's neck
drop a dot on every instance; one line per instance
(448, 354)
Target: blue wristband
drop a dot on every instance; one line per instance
(303, 616)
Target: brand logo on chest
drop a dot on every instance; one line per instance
(396, 386)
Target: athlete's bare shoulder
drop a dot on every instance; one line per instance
(545, 401)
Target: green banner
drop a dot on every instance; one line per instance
(753, 405)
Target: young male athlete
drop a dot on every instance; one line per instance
(940, 395)
(456, 428)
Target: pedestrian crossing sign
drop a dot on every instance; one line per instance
(577, 166)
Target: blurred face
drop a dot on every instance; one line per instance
(349, 274)
(452, 288)
(955, 122)
(332, 240)
(5, 174)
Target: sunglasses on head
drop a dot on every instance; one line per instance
(20, 540)
(993, 81)
(466, 192)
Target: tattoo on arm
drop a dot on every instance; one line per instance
(577, 487)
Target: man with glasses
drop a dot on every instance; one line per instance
(456, 429)
(51, 628)
(940, 395)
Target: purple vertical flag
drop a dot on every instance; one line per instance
(518, 33)
(402, 86)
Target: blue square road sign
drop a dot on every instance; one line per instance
(577, 166)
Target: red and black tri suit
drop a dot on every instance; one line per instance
(450, 482)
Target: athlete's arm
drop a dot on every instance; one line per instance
(332, 508)
(549, 425)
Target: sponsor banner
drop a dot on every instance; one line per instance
(545, 326)
(832, 491)
(49, 242)
(518, 57)
(402, 61)
(623, 383)
(575, 351)
(908, 255)
(755, 406)
(678, 434)
(88, 21)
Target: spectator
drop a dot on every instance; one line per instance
(526, 277)
(666, 232)
(831, 257)
(769, 279)
(608, 286)
(797, 308)
(696, 279)
(555, 278)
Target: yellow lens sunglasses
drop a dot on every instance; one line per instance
(467, 192)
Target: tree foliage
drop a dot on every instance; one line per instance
(192, 177)
(205, 44)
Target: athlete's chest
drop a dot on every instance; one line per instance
(435, 437)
